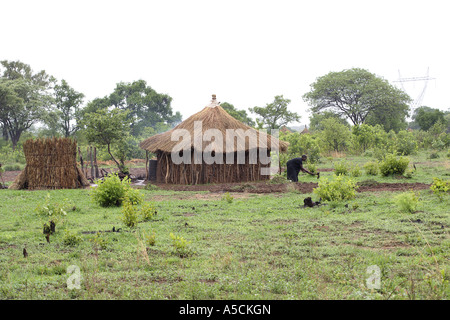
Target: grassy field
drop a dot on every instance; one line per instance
(237, 246)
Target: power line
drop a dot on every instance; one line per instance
(418, 101)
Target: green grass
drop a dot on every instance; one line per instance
(255, 247)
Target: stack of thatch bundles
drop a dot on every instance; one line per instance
(211, 117)
(51, 164)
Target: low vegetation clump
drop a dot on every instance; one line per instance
(111, 191)
(180, 245)
(407, 202)
(440, 188)
(71, 238)
(371, 168)
(391, 165)
(341, 168)
(337, 188)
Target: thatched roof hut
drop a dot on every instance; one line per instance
(51, 164)
(203, 131)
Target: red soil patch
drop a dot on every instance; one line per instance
(259, 187)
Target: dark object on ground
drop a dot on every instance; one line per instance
(25, 253)
(307, 202)
(47, 229)
(47, 237)
(52, 227)
(318, 175)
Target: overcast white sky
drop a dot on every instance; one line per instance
(246, 52)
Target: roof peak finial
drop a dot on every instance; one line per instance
(214, 102)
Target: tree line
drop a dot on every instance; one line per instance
(354, 99)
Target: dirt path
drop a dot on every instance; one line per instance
(258, 187)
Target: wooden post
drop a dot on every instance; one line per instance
(81, 159)
(97, 175)
(146, 165)
(87, 162)
(92, 163)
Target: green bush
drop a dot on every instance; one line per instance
(71, 238)
(355, 171)
(134, 195)
(393, 165)
(130, 214)
(341, 168)
(112, 192)
(337, 189)
(371, 168)
(180, 245)
(312, 167)
(147, 211)
(407, 202)
(440, 187)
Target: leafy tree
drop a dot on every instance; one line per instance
(107, 128)
(275, 115)
(145, 107)
(335, 135)
(364, 135)
(358, 94)
(67, 105)
(315, 120)
(240, 115)
(24, 100)
(426, 117)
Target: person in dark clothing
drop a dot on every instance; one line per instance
(294, 166)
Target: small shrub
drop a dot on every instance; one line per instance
(110, 191)
(371, 168)
(134, 196)
(180, 245)
(71, 238)
(312, 167)
(150, 239)
(129, 214)
(227, 197)
(147, 211)
(341, 168)
(440, 187)
(409, 173)
(393, 165)
(100, 241)
(355, 171)
(52, 209)
(337, 189)
(407, 202)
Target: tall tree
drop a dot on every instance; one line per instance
(275, 114)
(145, 107)
(67, 105)
(107, 128)
(240, 115)
(426, 117)
(356, 94)
(26, 98)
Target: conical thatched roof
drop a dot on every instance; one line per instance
(214, 117)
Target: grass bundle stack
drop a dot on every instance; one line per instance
(51, 164)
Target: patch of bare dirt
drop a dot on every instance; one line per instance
(261, 187)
